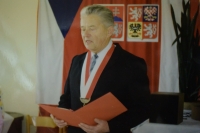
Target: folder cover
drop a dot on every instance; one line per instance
(105, 108)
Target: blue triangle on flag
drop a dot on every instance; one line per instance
(64, 12)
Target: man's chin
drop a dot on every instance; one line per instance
(88, 46)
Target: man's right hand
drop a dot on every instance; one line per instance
(59, 123)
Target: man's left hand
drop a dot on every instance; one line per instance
(101, 127)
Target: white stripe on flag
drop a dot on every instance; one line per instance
(168, 81)
(49, 56)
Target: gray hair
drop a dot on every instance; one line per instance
(104, 13)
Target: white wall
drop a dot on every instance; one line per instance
(18, 20)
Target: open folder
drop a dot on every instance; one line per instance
(104, 108)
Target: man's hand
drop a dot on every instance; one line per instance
(59, 123)
(101, 127)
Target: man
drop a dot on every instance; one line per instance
(124, 75)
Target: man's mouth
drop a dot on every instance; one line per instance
(88, 41)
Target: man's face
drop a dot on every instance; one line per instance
(94, 33)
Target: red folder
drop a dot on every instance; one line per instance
(104, 108)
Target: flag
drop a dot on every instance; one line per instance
(168, 79)
(54, 21)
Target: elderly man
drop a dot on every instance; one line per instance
(123, 74)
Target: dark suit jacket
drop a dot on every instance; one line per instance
(125, 76)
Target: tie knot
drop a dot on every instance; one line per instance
(95, 56)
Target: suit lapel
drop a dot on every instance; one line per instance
(115, 56)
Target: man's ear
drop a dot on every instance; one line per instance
(110, 31)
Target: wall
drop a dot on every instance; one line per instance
(18, 20)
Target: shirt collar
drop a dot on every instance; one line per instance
(104, 51)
